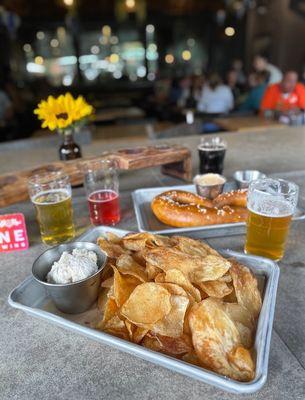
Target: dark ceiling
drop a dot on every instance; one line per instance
(93, 9)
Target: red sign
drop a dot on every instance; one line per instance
(13, 234)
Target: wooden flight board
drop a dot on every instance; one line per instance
(174, 160)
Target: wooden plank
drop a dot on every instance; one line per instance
(13, 186)
(239, 124)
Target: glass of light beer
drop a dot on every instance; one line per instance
(271, 204)
(51, 195)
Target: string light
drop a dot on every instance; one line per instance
(169, 58)
(186, 55)
(54, 43)
(114, 58)
(27, 48)
(40, 35)
(229, 31)
(130, 4)
(38, 60)
(68, 3)
(106, 30)
(95, 49)
(150, 28)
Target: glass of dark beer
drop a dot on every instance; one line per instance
(211, 155)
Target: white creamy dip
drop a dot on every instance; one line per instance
(73, 267)
(209, 179)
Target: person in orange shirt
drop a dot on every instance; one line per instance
(284, 96)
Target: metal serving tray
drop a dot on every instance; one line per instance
(147, 222)
(30, 297)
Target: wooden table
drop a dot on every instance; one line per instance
(110, 114)
(41, 361)
(250, 123)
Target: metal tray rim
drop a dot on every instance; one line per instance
(164, 360)
(208, 228)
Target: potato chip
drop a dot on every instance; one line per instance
(110, 310)
(126, 265)
(152, 343)
(107, 283)
(168, 258)
(178, 296)
(216, 289)
(246, 290)
(115, 326)
(174, 289)
(192, 247)
(168, 345)
(241, 360)
(113, 238)
(176, 276)
(112, 250)
(243, 321)
(158, 241)
(215, 337)
(130, 328)
(139, 334)
(212, 268)
(102, 299)
(123, 286)
(152, 271)
(147, 304)
(172, 323)
(191, 358)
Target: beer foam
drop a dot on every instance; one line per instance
(270, 207)
(51, 196)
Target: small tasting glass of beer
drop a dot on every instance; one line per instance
(271, 204)
(211, 155)
(50, 193)
(102, 188)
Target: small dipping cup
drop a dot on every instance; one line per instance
(243, 178)
(75, 297)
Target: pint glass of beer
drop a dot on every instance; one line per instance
(51, 195)
(271, 204)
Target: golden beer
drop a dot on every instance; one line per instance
(55, 216)
(271, 204)
(266, 236)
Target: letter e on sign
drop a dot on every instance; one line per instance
(13, 235)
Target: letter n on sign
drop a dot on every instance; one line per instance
(13, 235)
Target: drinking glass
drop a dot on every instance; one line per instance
(50, 193)
(271, 204)
(102, 189)
(211, 155)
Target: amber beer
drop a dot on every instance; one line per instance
(51, 196)
(271, 204)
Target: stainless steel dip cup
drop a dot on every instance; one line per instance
(75, 297)
(209, 191)
(243, 178)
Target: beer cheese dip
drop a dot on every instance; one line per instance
(73, 267)
(209, 179)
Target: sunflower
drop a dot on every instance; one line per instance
(63, 111)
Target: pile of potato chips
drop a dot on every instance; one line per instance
(180, 297)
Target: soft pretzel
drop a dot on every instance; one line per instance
(234, 198)
(183, 209)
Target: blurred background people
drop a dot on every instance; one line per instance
(286, 95)
(236, 88)
(258, 82)
(216, 98)
(238, 67)
(261, 63)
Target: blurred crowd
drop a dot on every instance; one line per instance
(266, 90)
